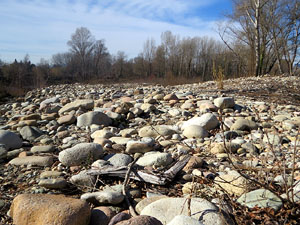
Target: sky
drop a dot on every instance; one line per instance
(42, 28)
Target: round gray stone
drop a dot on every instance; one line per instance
(90, 118)
(83, 153)
(10, 139)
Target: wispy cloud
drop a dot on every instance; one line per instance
(43, 27)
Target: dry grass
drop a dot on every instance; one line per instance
(218, 76)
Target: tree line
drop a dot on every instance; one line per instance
(259, 37)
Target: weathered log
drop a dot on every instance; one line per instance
(144, 176)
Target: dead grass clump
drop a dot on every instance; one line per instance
(218, 75)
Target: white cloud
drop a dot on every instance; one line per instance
(42, 28)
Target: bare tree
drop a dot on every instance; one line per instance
(149, 54)
(81, 45)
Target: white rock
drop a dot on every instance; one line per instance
(172, 207)
(195, 131)
(184, 220)
(208, 121)
(155, 159)
(224, 102)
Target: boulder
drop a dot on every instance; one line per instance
(200, 209)
(38, 209)
(184, 220)
(139, 220)
(10, 139)
(147, 201)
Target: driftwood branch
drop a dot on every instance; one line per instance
(125, 190)
(159, 179)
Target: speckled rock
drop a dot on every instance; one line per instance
(37, 209)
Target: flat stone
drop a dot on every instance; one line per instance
(120, 140)
(162, 130)
(47, 102)
(32, 160)
(128, 132)
(81, 103)
(42, 149)
(51, 174)
(80, 154)
(262, 198)
(67, 119)
(58, 183)
(155, 159)
(37, 209)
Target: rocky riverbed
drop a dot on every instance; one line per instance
(242, 143)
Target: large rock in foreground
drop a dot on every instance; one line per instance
(139, 220)
(167, 208)
(81, 153)
(39, 209)
(10, 139)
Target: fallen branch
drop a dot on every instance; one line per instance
(124, 188)
(159, 179)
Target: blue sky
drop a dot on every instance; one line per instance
(42, 28)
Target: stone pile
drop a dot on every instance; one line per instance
(51, 138)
